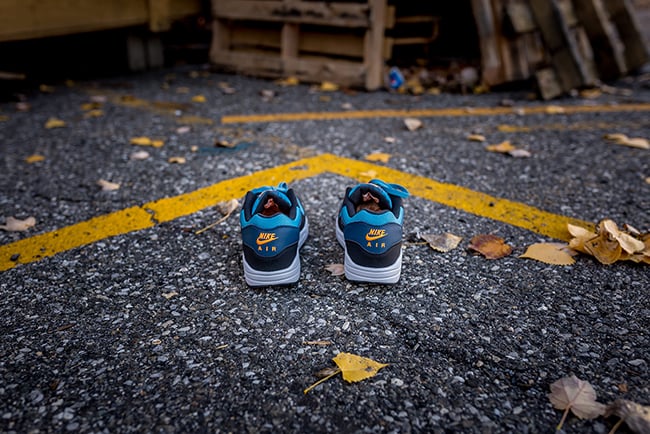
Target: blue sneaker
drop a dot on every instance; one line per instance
(369, 228)
(274, 227)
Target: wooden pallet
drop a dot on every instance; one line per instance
(341, 41)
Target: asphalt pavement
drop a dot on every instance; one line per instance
(129, 321)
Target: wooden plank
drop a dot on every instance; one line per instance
(299, 12)
(520, 16)
(373, 59)
(28, 19)
(563, 49)
(548, 83)
(608, 49)
(491, 67)
(622, 15)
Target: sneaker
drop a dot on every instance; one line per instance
(274, 227)
(369, 228)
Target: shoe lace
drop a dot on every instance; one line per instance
(392, 189)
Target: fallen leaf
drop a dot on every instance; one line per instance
(13, 224)
(636, 416)
(289, 81)
(141, 141)
(368, 174)
(183, 90)
(476, 138)
(226, 88)
(325, 98)
(554, 110)
(519, 153)
(177, 160)
(328, 86)
(356, 368)
(54, 123)
(490, 246)
(571, 393)
(442, 242)
(107, 185)
(503, 147)
(183, 130)
(170, 294)
(346, 106)
(647, 180)
(412, 124)
(335, 269)
(90, 106)
(549, 253)
(267, 94)
(227, 207)
(378, 156)
(139, 155)
(99, 98)
(199, 98)
(23, 106)
(93, 114)
(34, 158)
(393, 140)
(622, 139)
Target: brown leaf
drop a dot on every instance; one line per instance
(476, 138)
(571, 393)
(13, 224)
(636, 416)
(549, 253)
(328, 86)
(503, 147)
(54, 123)
(34, 158)
(442, 242)
(199, 98)
(381, 157)
(490, 246)
(622, 139)
(177, 160)
(227, 207)
(289, 81)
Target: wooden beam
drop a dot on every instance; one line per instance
(373, 58)
(622, 15)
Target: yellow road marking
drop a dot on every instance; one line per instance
(148, 215)
(442, 112)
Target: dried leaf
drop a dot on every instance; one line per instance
(34, 158)
(390, 139)
(226, 88)
(571, 393)
(267, 94)
(549, 253)
(13, 224)
(636, 416)
(141, 141)
(328, 86)
(412, 124)
(335, 269)
(378, 156)
(170, 294)
(54, 123)
(199, 98)
(442, 242)
(346, 106)
(476, 138)
(107, 185)
(139, 155)
(90, 106)
(490, 246)
(177, 160)
(94, 114)
(227, 207)
(356, 368)
(554, 110)
(289, 81)
(519, 153)
(622, 139)
(183, 130)
(503, 147)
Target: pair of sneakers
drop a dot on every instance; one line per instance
(274, 227)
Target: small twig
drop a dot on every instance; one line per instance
(307, 390)
(210, 226)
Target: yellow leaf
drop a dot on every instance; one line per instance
(622, 139)
(503, 147)
(328, 86)
(554, 110)
(54, 123)
(141, 141)
(356, 368)
(35, 158)
(476, 138)
(177, 160)
(289, 81)
(157, 143)
(94, 113)
(13, 224)
(378, 156)
(198, 98)
(90, 106)
(549, 253)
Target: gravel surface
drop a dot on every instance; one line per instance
(156, 331)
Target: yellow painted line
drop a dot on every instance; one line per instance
(148, 215)
(442, 112)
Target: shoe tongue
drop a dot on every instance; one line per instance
(271, 202)
(372, 197)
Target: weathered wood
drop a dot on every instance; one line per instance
(520, 16)
(607, 47)
(622, 15)
(491, 67)
(373, 59)
(159, 15)
(548, 83)
(28, 19)
(299, 12)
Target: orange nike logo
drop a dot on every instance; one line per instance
(375, 234)
(265, 237)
